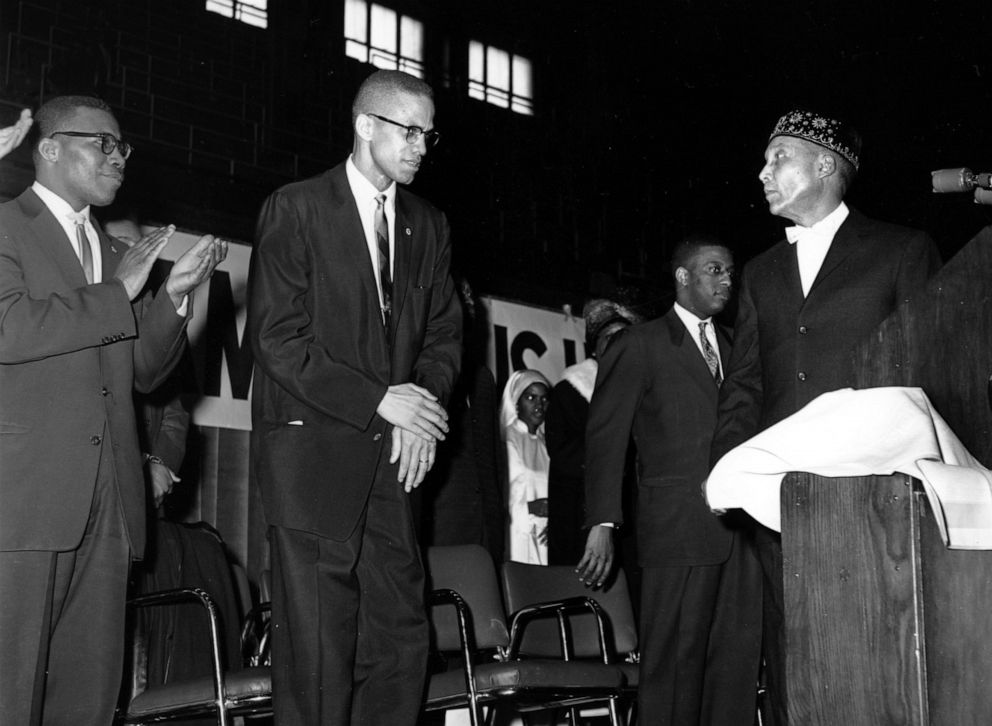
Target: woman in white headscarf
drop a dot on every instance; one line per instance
(525, 402)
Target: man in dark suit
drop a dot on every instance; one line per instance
(700, 587)
(77, 338)
(565, 433)
(804, 305)
(354, 358)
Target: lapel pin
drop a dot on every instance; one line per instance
(407, 231)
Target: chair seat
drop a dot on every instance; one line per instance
(631, 673)
(247, 691)
(536, 682)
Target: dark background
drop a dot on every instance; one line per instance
(650, 119)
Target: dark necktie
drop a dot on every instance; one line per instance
(709, 354)
(85, 253)
(382, 241)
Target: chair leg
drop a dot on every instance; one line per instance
(614, 713)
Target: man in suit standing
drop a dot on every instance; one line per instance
(356, 333)
(565, 433)
(77, 338)
(804, 305)
(700, 587)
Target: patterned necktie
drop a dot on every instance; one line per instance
(85, 253)
(382, 241)
(709, 354)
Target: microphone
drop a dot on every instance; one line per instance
(959, 180)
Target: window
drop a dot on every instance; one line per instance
(500, 78)
(252, 12)
(378, 35)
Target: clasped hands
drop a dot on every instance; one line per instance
(192, 268)
(419, 422)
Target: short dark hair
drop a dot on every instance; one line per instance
(374, 93)
(55, 111)
(690, 245)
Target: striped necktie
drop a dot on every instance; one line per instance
(382, 241)
(85, 253)
(709, 354)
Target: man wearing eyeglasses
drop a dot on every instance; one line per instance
(356, 333)
(76, 338)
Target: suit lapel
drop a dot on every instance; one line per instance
(688, 355)
(404, 235)
(348, 223)
(110, 250)
(791, 281)
(723, 343)
(51, 237)
(846, 241)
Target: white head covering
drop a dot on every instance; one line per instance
(515, 386)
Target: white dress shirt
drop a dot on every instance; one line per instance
(813, 243)
(365, 193)
(66, 216)
(691, 323)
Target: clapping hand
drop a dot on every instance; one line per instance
(194, 266)
(11, 136)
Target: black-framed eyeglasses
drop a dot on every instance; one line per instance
(108, 142)
(413, 133)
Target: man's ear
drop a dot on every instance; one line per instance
(827, 165)
(363, 126)
(49, 149)
(682, 276)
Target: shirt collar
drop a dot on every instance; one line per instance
(364, 190)
(690, 320)
(825, 229)
(57, 205)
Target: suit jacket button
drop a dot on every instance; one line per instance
(377, 437)
(104, 391)
(95, 440)
(803, 330)
(801, 375)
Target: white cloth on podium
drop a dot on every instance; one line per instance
(849, 433)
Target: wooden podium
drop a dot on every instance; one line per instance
(884, 624)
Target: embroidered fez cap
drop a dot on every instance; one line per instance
(822, 130)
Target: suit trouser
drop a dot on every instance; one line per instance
(700, 642)
(350, 634)
(64, 612)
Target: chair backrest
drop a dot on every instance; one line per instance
(525, 584)
(468, 570)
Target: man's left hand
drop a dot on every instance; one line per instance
(415, 454)
(194, 266)
(597, 560)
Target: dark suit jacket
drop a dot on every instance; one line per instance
(654, 383)
(789, 349)
(70, 356)
(564, 436)
(322, 356)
